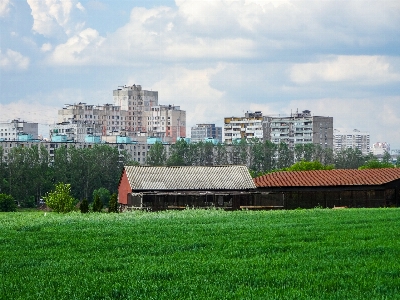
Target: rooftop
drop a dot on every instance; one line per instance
(321, 178)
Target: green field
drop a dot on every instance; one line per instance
(202, 254)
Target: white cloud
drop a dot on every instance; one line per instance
(12, 60)
(34, 111)
(4, 8)
(80, 6)
(54, 17)
(191, 90)
(363, 69)
(72, 52)
(46, 47)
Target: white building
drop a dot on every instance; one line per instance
(108, 118)
(352, 139)
(299, 128)
(247, 127)
(201, 132)
(146, 117)
(379, 149)
(11, 130)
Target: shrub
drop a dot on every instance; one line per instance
(113, 203)
(60, 200)
(84, 207)
(97, 204)
(7, 203)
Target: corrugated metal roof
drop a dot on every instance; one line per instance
(339, 177)
(189, 178)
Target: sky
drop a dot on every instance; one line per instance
(213, 58)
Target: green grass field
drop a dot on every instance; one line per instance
(202, 254)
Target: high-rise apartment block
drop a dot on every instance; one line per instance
(204, 132)
(352, 139)
(299, 128)
(76, 121)
(146, 117)
(16, 130)
(247, 127)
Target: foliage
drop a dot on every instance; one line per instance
(60, 200)
(84, 207)
(308, 166)
(349, 159)
(7, 203)
(156, 155)
(97, 204)
(178, 153)
(202, 254)
(376, 164)
(103, 194)
(113, 204)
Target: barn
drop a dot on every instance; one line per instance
(159, 188)
(331, 188)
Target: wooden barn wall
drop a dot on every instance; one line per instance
(330, 199)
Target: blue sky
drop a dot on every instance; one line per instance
(214, 58)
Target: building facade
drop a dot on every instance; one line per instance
(248, 127)
(352, 139)
(204, 132)
(299, 128)
(16, 130)
(145, 116)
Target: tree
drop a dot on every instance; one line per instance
(113, 204)
(7, 203)
(103, 194)
(97, 204)
(376, 164)
(178, 154)
(221, 156)
(156, 155)
(349, 159)
(60, 200)
(284, 156)
(84, 207)
(308, 166)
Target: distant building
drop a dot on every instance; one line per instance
(16, 129)
(206, 132)
(379, 149)
(145, 116)
(106, 119)
(299, 128)
(247, 127)
(352, 139)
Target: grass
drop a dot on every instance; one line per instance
(201, 254)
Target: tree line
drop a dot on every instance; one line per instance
(29, 173)
(260, 157)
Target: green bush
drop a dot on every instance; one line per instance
(84, 207)
(7, 203)
(97, 204)
(113, 203)
(60, 200)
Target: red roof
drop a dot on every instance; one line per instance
(341, 177)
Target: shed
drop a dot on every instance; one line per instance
(330, 188)
(156, 188)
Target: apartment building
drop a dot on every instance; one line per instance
(204, 132)
(299, 128)
(146, 117)
(15, 130)
(354, 139)
(167, 122)
(248, 127)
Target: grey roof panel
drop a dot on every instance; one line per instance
(189, 178)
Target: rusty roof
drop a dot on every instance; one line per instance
(189, 178)
(324, 178)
